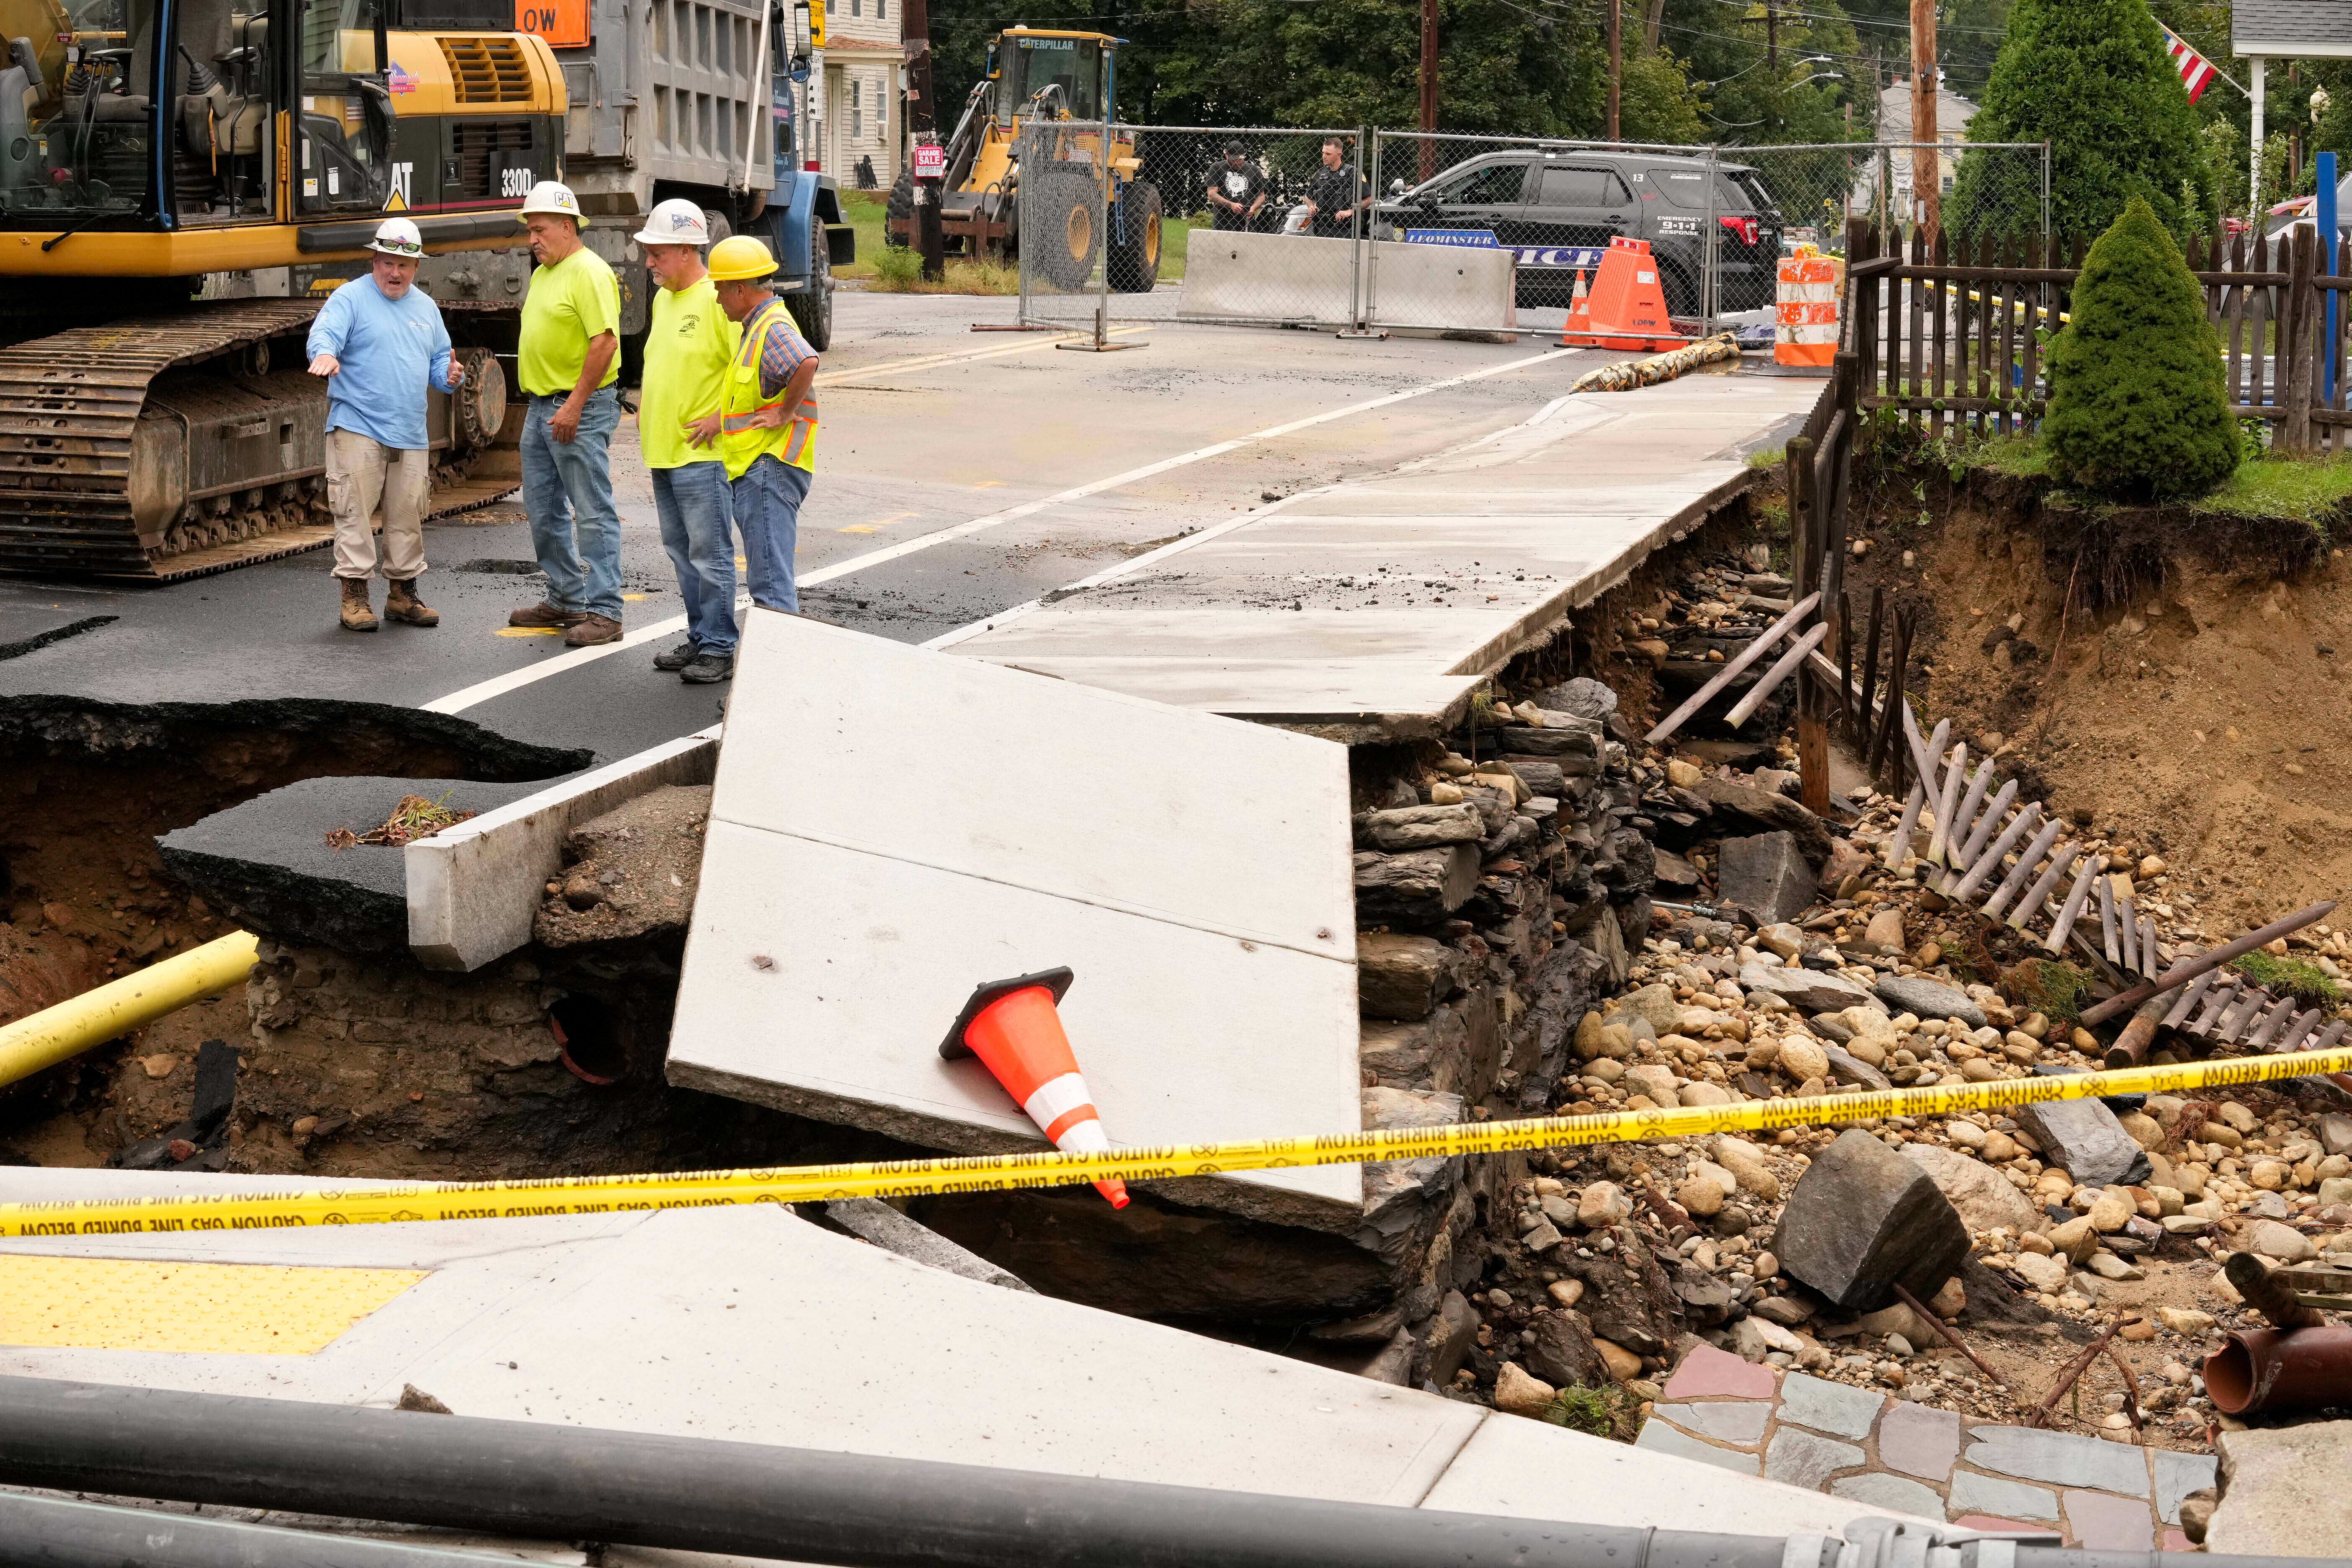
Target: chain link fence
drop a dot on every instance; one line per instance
(1386, 230)
(1249, 225)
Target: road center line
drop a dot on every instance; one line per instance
(483, 691)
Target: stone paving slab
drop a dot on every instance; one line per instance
(1907, 1458)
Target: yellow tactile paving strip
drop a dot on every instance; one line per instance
(204, 1309)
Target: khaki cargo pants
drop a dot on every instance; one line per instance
(361, 473)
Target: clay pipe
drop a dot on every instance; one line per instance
(2189, 969)
(2273, 1372)
(2250, 1277)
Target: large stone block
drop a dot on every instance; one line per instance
(1808, 990)
(1428, 1052)
(1421, 886)
(1734, 804)
(1420, 827)
(1863, 1219)
(1982, 1195)
(1768, 874)
(1402, 977)
(2083, 1136)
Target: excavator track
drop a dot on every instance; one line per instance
(142, 449)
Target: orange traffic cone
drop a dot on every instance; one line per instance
(1012, 1028)
(1580, 315)
(1629, 305)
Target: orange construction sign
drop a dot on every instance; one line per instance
(562, 23)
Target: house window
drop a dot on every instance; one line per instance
(853, 5)
(881, 10)
(857, 108)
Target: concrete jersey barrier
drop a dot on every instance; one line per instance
(1300, 280)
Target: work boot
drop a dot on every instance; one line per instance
(545, 614)
(708, 669)
(591, 630)
(677, 659)
(357, 617)
(401, 604)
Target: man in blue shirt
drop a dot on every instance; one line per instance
(379, 342)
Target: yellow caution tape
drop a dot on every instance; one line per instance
(1000, 1172)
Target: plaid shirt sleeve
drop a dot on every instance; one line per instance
(783, 353)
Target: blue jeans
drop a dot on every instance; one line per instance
(567, 487)
(767, 511)
(694, 504)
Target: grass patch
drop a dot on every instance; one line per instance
(2306, 983)
(2019, 457)
(1770, 457)
(2056, 991)
(866, 210)
(1611, 1412)
(2309, 491)
(901, 273)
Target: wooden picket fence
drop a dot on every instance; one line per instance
(1948, 336)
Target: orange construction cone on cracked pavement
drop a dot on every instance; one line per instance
(1015, 1027)
(1580, 315)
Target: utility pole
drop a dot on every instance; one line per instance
(1428, 90)
(1772, 40)
(1616, 62)
(915, 33)
(1927, 177)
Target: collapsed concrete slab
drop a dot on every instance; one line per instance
(891, 828)
(772, 1330)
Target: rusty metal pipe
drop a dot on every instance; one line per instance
(2274, 1372)
(2189, 969)
(2138, 1036)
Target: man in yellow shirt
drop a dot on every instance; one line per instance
(569, 357)
(688, 346)
(767, 422)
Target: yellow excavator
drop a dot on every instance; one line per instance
(1037, 77)
(180, 183)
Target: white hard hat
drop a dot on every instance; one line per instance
(398, 237)
(673, 222)
(551, 196)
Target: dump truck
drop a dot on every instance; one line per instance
(1035, 81)
(183, 182)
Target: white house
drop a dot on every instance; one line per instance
(864, 72)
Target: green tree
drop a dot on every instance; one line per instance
(2090, 78)
(2137, 405)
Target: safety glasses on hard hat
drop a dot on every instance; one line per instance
(400, 247)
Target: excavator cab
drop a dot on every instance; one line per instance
(149, 113)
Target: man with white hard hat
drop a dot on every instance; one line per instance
(767, 422)
(379, 342)
(688, 345)
(567, 358)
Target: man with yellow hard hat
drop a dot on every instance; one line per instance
(688, 346)
(766, 423)
(567, 358)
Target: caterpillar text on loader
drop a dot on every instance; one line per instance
(183, 182)
(1037, 76)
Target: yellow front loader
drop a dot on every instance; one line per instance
(1037, 79)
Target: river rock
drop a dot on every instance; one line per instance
(1806, 990)
(1516, 1393)
(1564, 1352)
(1929, 999)
(2083, 1137)
(1981, 1194)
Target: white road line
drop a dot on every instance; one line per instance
(892, 367)
(514, 680)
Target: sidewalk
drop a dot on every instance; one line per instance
(1369, 611)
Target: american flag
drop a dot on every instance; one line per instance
(2196, 71)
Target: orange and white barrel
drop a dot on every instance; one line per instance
(1805, 309)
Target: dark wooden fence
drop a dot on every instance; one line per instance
(1947, 335)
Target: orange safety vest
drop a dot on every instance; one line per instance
(741, 443)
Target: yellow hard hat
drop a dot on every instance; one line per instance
(740, 257)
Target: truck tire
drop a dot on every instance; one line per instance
(1135, 240)
(812, 307)
(899, 208)
(1062, 227)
